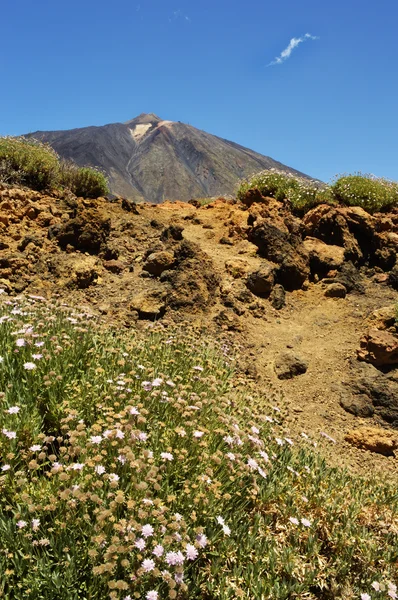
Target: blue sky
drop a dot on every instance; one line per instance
(329, 106)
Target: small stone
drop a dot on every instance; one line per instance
(289, 365)
(336, 290)
(261, 282)
(114, 266)
(278, 297)
(157, 262)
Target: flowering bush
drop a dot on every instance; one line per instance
(138, 467)
(303, 194)
(367, 191)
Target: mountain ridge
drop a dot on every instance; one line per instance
(150, 159)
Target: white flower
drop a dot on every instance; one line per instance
(20, 342)
(157, 382)
(158, 550)
(252, 463)
(148, 565)
(191, 552)
(365, 597)
(35, 524)
(201, 540)
(140, 544)
(13, 410)
(220, 520)
(134, 411)
(152, 595)
(99, 469)
(96, 439)
(197, 368)
(37, 356)
(147, 530)
(306, 522)
(198, 434)
(77, 466)
(226, 530)
(113, 477)
(10, 434)
(5, 467)
(21, 524)
(230, 455)
(119, 434)
(294, 520)
(35, 448)
(29, 366)
(167, 456)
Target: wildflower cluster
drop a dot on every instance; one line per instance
(134, 467)
(366, 191)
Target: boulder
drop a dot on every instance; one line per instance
(252, 196)
(149, 306)
(323, 257)
(336, 290)
(114, 266)
(261, 282)
(393, 277)
(380, 348)
(287, 365)
(330, 224)
(236, 268)
(277, 297)
(294, 269)
(374, 439)
(359, 405)
(157, 262)
(383, 318)
(87, 232)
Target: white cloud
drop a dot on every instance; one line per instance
(178, 14)
(294, 42)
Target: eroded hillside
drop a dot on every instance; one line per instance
(296, 298)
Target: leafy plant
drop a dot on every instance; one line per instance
(28, 162)
(367, 191)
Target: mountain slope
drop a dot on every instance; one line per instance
(151, 159)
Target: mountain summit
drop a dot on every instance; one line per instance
(148, 158)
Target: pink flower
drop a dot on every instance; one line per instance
(20, 342)
(365, 597)
(201, 540)
(152, 595)
(29, 366)
(158, 550)
(167, 456)
(148, 565)
(21, 524)
(191, 552)
(140, 544)
(306, 522)
(147, 530)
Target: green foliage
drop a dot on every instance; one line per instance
(367, 191)
(117, 450)
(28, 162)
(303, 194)
(83, 181)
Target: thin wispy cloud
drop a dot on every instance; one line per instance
(178, 14)
(294, 42)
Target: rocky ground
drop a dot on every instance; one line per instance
(308, 304)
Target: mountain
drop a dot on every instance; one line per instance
(150, 159)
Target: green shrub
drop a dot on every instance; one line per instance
(83, 181)
(28, 162)
(371, 193)
(135, 466)
(303, 194)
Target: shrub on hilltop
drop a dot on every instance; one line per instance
(371, 193)
(133, 466)
(31, 163)
(303, 194)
